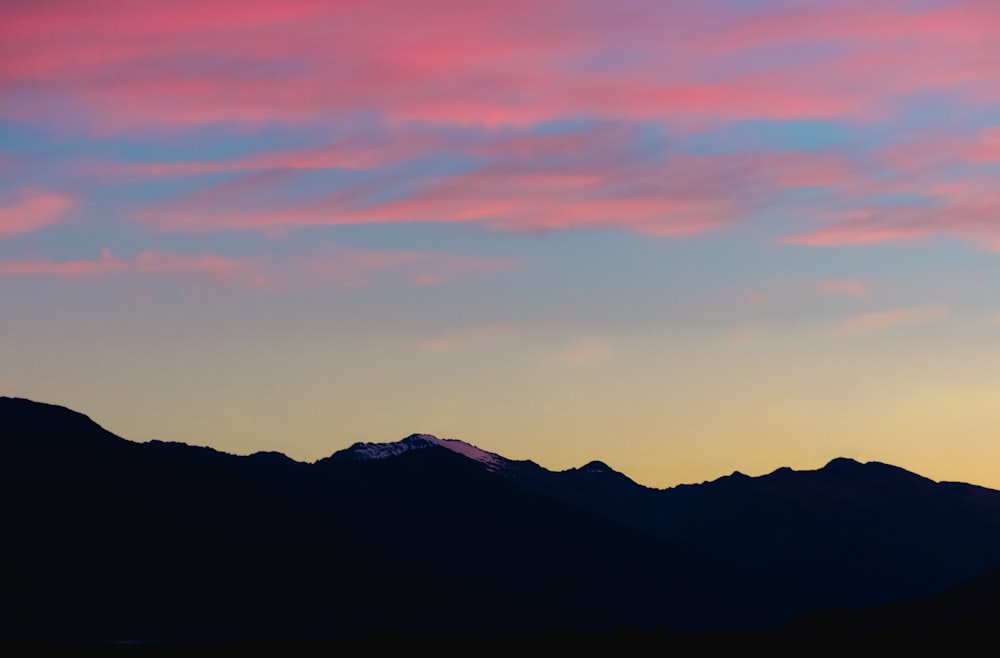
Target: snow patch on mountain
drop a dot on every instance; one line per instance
(366, 451)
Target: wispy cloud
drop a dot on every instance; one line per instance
(34, 210)
(932, 185)
(967, 210)
(868, 322)
(463, 338)
(477, 90)
(182, 65)
(341, 267)
(587, 351)
(147, 263)
(189, 62)
(419, 267)
(354, 153)
(596, 177)
(848, 287)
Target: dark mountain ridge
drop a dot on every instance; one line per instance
(111, 539)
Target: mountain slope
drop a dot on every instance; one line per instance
(846, 535)
(110, 539)
(117, 540)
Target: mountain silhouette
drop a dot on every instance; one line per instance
(112, 540)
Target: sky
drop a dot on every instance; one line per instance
(682, 238)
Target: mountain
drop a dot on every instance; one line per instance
(846, 535)
(110, 539)
(366, 451)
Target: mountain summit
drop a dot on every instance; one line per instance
(369, 451)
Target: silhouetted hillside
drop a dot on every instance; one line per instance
(109, 540)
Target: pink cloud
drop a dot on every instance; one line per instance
(968, 209)
(340, 267)
(148, 263)
(346, 154)
(186, 63)
(584, 179)
(932, 153)
(885, 52)
(33, 211)
(868, 322)
(860, 228)
(949, 183)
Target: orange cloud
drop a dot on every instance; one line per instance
(867, 322)
(849, 287)
(586, 352)
(463, 338)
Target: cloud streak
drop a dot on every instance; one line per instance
(586, 352)
(478, 98)
(34, 210)
(597, 177)
(200, 268)
(187, 63)
(847, 287)
(355, 268)
(339, 267)
(864, 323)
(354, 153)
(464, 338)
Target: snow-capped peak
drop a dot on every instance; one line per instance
(367, 451)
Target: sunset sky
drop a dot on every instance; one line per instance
(684, 238)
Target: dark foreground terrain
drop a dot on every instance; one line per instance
(161, 547)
